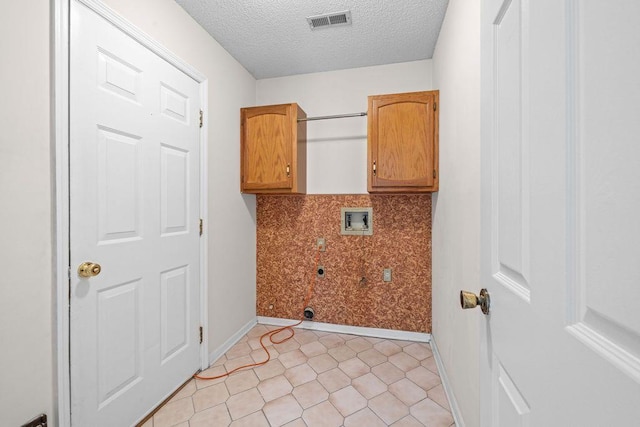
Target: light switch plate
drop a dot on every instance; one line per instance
(386, 275)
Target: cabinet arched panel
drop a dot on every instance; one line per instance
(273, 150)
(403, 143)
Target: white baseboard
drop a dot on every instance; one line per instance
(318, 326)
(453, 403)
(233, 339)
(344, 329)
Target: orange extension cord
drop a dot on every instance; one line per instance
(271, 334)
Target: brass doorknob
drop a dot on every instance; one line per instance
(89, 269)
(470, 300)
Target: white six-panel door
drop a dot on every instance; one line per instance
(134, 191)
(560, 201)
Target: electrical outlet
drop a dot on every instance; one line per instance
(386, 275)
(321, 244)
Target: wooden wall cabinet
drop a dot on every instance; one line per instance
(273, 151)
(403, 143)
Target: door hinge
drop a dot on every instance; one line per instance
(435, 106)
(201, 332)
(374, 168)
(434, 174)
(201, 118)
(201, 226)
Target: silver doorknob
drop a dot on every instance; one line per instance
(470, 300)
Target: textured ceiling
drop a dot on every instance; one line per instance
(271, 38)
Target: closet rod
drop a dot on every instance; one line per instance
(338, 116)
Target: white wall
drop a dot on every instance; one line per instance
(456, 207)
(337, 149)
(231, 222)
(26, 182)
(26, 366)
(337, 164)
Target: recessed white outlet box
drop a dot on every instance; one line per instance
(356, 221)
(386, 275)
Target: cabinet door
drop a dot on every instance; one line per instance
(266, 148)
(403, 142)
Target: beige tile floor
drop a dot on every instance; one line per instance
(315, 379)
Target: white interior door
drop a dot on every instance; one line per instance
(561, 196)
(134, 209)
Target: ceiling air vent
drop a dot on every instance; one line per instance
(334, 19)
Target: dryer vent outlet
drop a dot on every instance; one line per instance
(308, 313)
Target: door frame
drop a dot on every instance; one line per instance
(61, 269)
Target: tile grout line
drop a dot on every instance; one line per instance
(408, 353)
